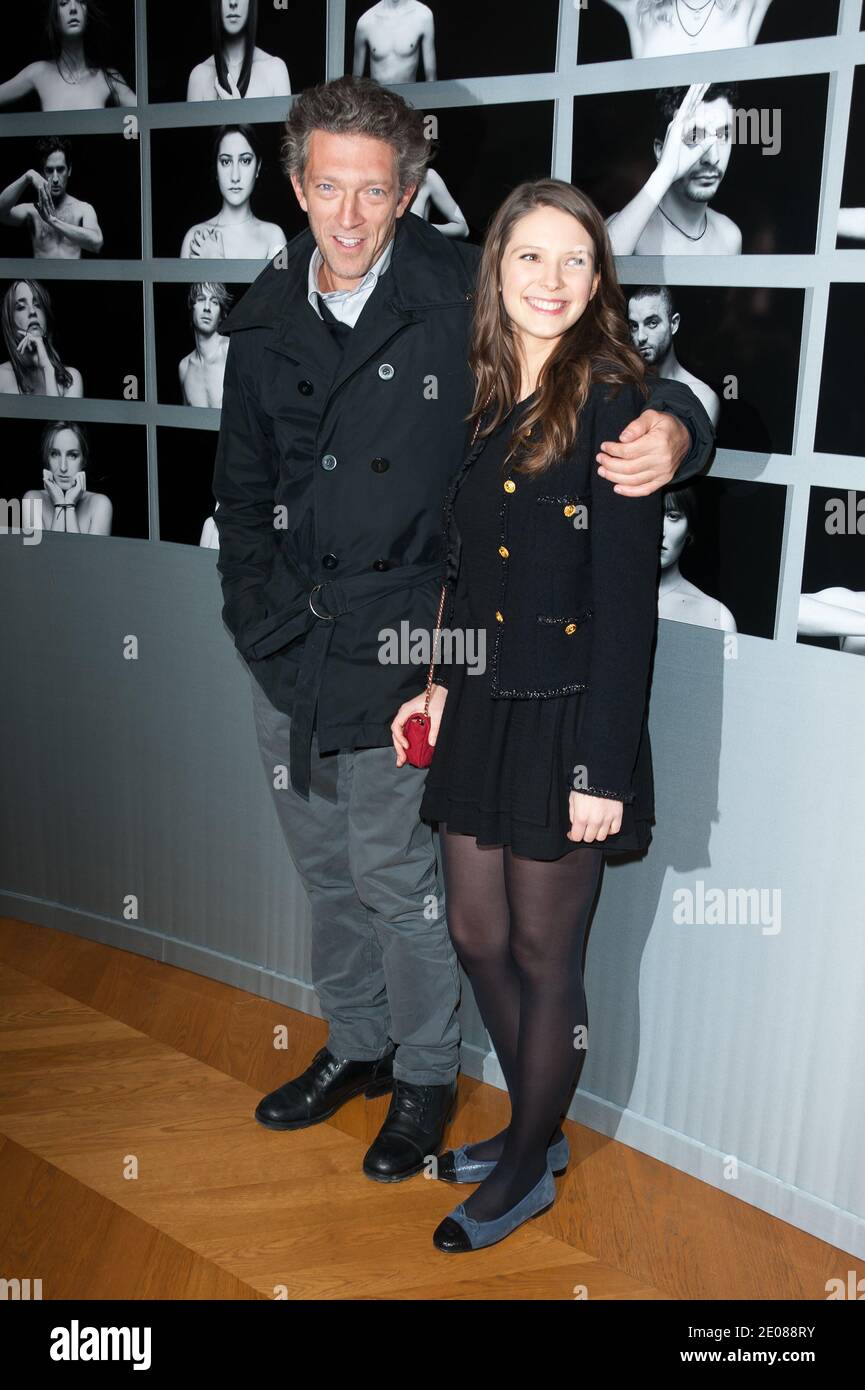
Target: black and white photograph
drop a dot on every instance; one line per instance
(841, 408)
(721, 555)
(401, 41)
(477, 153)
(738, 348)
(72, 338)
(190, 362)
(68, 55)
(186, 501)
(611, 29)
(231, 50)
(81, 477)
(851, 214)
(709, 169)
(70, 197)
(230, 202)
(832, 598)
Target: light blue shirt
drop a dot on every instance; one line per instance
(346, 305)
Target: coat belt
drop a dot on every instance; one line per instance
(313, 615)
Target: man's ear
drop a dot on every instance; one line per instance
(298, 191)
(406, 198)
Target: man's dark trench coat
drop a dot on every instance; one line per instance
(330, 477)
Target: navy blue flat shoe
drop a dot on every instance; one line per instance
(459, 1232)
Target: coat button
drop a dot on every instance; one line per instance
(305, 388)
(571, 627)
(329, 562)
(510, 486)
(380, 465)
(380, 564)
(499, 617)
(504, 552)
(329, 461)
(385, 371)
(570, 509)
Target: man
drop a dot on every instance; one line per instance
(670, 216)
(60, 226)
(654, 322)
(201, 370)
(345, 398)
(395, 33)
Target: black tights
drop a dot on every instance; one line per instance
(518, 926)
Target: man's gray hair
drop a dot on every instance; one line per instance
(356, 106)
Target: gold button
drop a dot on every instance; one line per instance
(504, 552)
(499, 618)
(571, 627)
(510, 486)
(570, 509)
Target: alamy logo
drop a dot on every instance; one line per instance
(76, 1343)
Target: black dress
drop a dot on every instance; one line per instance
(502, 768)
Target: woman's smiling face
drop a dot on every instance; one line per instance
(547, 273)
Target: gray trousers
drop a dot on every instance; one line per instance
(383, 964)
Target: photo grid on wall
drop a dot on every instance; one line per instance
(723, 145)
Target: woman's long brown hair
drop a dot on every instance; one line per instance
(595, 348)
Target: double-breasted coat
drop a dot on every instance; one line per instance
(577, 604)
(330, 475)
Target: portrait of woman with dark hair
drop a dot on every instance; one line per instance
(236, 68)
(78, 75)
(64, 503)
(235, 232)
(678, 598)
(34, 367)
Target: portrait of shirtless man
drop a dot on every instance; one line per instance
(395, 34)
(657, 27)
(60, 225)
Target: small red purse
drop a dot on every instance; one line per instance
(416, 728)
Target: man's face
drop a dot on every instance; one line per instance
(712, 118)
(350, 193)
(56, 173)
(651, 327)
(206, 312)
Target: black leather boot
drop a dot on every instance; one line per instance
(413, 1129)
(318, 1092)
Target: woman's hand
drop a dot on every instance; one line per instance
(436, 707)
(593, 817)
(207, 242)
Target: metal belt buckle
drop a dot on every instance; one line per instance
(329, 616)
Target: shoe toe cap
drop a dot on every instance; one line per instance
(450, 1236)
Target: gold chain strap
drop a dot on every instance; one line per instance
(437, 629)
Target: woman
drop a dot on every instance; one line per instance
(64, 503)
(678, 598)
(77, 76)
(236, 68)
(542, 764)
(235, 232)
(34, 367)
